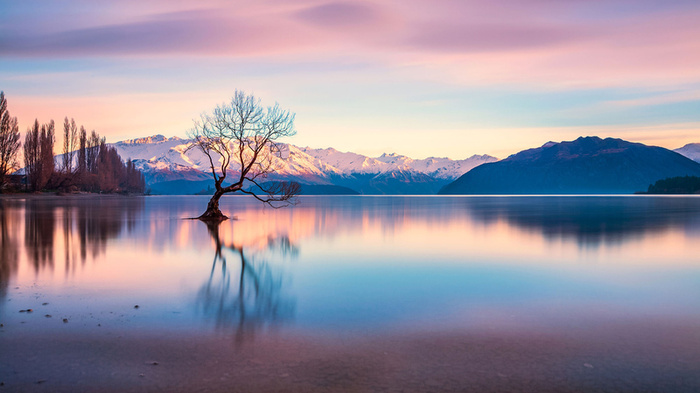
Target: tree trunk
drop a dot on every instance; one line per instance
(213, 213)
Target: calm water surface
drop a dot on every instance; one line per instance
(348, 265)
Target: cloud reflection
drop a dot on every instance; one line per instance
(244, 286)
(354, 258)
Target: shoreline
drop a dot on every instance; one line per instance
(629, 357)
(57, 195)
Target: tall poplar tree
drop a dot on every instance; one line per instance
(10, 142)
(46, 142)
(70, 145)
(31, 155)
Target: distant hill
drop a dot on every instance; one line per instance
(675, 185)
(304, 189)
(322, 189)
(691, 150)
(588, 165)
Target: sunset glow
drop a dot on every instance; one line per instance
(489, 77)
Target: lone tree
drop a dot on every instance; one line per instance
(240, 139)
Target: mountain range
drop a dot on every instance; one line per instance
(587, 165)
(170, 167)
(691, 150)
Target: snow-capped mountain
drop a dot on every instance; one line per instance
(587, 165)
(442, 168)
(691, 150)
(169, 166)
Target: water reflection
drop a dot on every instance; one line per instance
(590, 221)
(9, 253)
(40, 225)
(374, 259)
(244, 292)
(86, 226)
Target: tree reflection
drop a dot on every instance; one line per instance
(96, 224)
(247, 296)
(85, 226)
(40, 225)
(9, 253)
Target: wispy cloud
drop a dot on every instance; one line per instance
(463, 38)
(658, 99)
(196, 33)
(337, 15)
(570, 44)
(354, 67)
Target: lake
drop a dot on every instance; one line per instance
(548, 293)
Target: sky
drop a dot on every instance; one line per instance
(442, 78)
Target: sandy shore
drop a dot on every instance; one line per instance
(653, 357)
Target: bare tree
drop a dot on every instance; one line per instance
(70, 145)
(32, 161)
(93, 151)
(111, 172)
(9, 141)
(240, 139)
(46, 142)
(134, 180)
(38, 155)
(82, 154)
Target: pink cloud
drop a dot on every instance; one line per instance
(558, 44)
(466, 38)
(658, 49)
(658, 99)
(338, 14)
(200, 33)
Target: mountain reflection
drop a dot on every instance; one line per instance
(244, 292)
(364, 258)
(590, 221)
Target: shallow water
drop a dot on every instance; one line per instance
(413, 294)
(347, 265)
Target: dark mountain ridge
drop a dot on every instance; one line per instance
(588, 165)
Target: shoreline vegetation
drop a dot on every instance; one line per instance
(679, 185)
(87, 164)
(58, 194)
